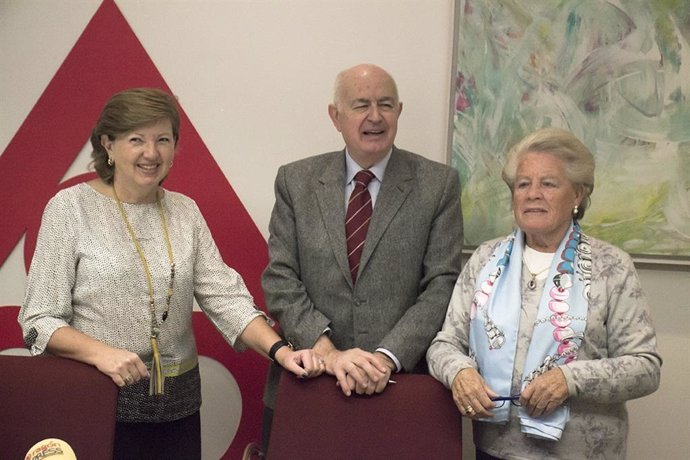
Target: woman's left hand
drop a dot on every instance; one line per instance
(303, 363)
(545, 393)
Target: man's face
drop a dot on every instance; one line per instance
(366, 114)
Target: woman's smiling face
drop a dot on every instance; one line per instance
(142, 159)
(543, 200)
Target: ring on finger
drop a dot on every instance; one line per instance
(129, 379)
(469, 409)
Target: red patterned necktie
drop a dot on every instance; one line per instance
(357, 219)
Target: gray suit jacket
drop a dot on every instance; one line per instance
(409, 265)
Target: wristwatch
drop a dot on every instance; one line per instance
(277, 346)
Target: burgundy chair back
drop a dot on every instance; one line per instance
(414, 418)
(50, 397)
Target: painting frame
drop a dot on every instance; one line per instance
(518, 29)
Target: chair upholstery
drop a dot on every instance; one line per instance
(50, 397)
(414, 418)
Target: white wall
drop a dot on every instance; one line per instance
(255, 77)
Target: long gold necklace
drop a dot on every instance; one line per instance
(157, 381)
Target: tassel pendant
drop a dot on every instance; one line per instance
(157, 380)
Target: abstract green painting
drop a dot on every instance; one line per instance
(616, 74)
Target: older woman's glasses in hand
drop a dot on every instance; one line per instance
(501, 400)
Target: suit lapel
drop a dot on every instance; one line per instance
(396, 185)
(331, 198)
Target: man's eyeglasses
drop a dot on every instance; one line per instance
(501, 400)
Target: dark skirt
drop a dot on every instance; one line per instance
(164, 440)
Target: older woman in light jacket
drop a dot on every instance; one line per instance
(547, 333)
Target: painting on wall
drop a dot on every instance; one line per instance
(616, 74)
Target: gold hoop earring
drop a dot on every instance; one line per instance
(110, 161)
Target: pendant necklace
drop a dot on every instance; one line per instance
(532, 283)
(156, 386)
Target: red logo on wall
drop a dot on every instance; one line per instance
(106, 59)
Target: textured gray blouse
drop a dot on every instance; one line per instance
(86, 273)
(617, 361)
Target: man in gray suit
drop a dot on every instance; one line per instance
(380, 317)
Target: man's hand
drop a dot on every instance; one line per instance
(357, 370)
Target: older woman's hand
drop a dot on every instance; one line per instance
(472, 395)
(545, 393)
(303, 363)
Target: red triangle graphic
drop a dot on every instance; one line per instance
(107, 58)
